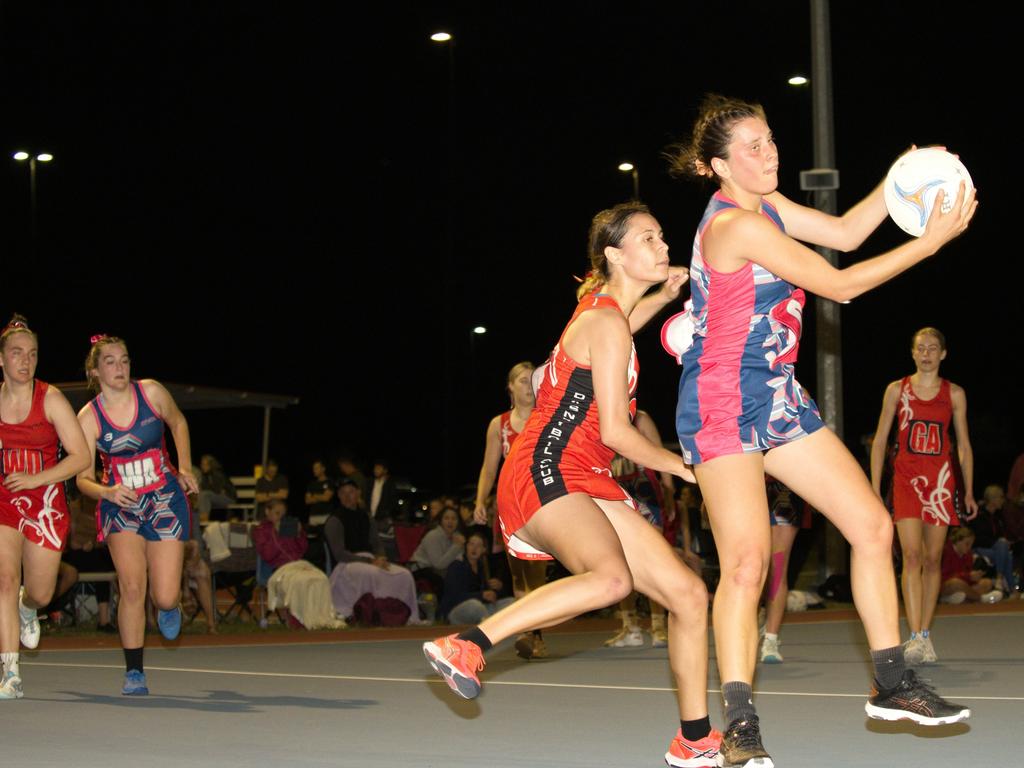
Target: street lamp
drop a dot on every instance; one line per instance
(632, 169)
(42, 157)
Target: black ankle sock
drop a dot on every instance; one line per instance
(889, 666)
(695, 730)
(133, 659)
(474, 635)
(739, 703)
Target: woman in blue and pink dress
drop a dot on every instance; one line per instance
(143, 509)
(742, 412)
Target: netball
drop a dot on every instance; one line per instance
(915, 179)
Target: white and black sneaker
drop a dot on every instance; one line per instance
(913, 699)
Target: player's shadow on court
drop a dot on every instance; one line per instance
(231, 702)
(466, 709)
(905, 727)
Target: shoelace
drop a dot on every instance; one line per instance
(472, 653)
(920, 686)
(475, 658)
(745, 733)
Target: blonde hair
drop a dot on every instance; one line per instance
(518, 368)
(92, 360)
(929, 331)
(17, 324)
(514, 373)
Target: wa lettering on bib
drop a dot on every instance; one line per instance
(141, 473)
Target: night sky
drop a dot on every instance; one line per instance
(309, 199)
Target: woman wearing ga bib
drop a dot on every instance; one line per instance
(925, 486)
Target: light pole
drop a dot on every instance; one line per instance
(41, 157)
(823, 181)
(446, 39)
(632, 169)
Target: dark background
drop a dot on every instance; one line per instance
(259, 196)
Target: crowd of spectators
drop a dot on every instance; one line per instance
(366, 540)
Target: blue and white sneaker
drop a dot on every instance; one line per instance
(10, 688)
(134, 683)
(169, 623)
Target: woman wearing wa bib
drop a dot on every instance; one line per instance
(143, 509)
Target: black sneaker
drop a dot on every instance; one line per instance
(913, 699)
(741, 746)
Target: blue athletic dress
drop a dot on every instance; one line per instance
(136, 456)
(737, 392)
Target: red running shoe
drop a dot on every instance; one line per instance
(683, 753)
(457, 661)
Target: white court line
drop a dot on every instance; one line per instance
(421, 680)
(379, 640)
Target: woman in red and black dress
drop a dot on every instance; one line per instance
(557, 497)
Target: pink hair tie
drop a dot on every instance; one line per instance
(97, 337)
(14, 324)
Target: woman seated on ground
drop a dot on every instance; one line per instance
(351, 537)
(960, 579)
(295, 585)
(470, 592)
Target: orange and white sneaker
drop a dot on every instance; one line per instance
(683, 753)
(457, 661)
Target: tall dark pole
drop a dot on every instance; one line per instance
(447, 294)
(633, 171)
(827, 317)
(32, 206)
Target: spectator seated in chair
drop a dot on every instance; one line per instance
(360, 570)
(471, 594)
(216, 493)
(84, 554)
(294, 584)
(440, 547)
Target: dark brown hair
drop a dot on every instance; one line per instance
(607, 228)
(712, 133)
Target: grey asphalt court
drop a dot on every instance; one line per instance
(379, 704)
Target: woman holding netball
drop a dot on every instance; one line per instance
(557, 498)
(143, 509)
(742, 413)
(502, 432)
(925, 470)
(37, 425)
